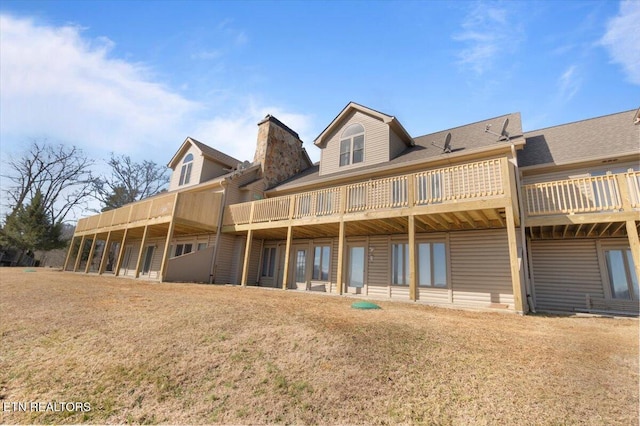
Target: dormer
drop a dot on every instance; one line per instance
(195, 162)
(358, 137)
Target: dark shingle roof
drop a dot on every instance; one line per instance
(582, 140)
(213, 153)
(465, 138)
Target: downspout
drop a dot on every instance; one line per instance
(212, 268)
(523, 239)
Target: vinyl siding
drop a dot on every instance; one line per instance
(196, 169)
(480, 268)
(564, 272)
(396, 145)
(378, 268)
(224, 259)
(210, 170)
(376, 144)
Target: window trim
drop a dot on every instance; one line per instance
(185, 171)
(431, 242)
(322, 247)
(347, 152)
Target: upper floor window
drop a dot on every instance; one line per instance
(185, 173)
(352, 145)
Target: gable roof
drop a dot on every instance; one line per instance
(352, 106)
(207, 152)
(595, 138)
(466, 139)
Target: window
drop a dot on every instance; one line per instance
(432, 265)
(183, 249)
(202, 246)
(400, 264)
(301, 265)
(622, 275)
(268, 261)
(185, 173)
(356, 267)
(321, 259)
(352, 145)
(148, 258)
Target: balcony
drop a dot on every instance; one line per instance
(582, 207)
(459, 197)
(190, 212)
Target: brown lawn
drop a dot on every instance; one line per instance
(141, 352)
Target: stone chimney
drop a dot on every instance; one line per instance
(279, 152)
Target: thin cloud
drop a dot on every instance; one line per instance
(59, 85)
(488, 35)
(569, 83)
(622, 39)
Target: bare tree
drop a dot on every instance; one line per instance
(129, 182)
(62, 175)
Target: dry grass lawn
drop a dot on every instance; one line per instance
(143, 352)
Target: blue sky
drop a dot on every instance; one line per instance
(138, 77)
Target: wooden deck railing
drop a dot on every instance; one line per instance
(594, 194)
(199, 208)
(449, 184)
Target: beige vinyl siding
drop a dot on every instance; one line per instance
(564, 272)
(480, 268)
(396, 145)
(376, 144)
(234, 194)
(224, 259)
(530, 178)
(211, 169)
(378, 268)
(192, 267)
(196, 169)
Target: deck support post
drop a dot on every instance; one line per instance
(513, 260)
(167, 243)
(413, 288)
(76, 265)
(287, 251)
(340, 272)
(91, 251)
(66, 260)
(105, 254)
(247, 258)
(141, 251)
(121, 253)
(632, 235)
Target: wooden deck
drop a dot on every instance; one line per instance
(467, 196)
(595, 206)
(190, 212)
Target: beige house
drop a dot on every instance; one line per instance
(480, 216)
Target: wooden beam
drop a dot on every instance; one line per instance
(247, 258)
(91, 251)
(514, 262)
(141, 251)
(340, 268)
(632, 235)
(105, 254)
(413, 293)
(287, 253)
(618, 228)
(66, 260)
(483, 218)
(167, 243)
(591, 228)
(429, 221)
(79, 255)
(604, 229)
(467, 217)
(120, 254)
